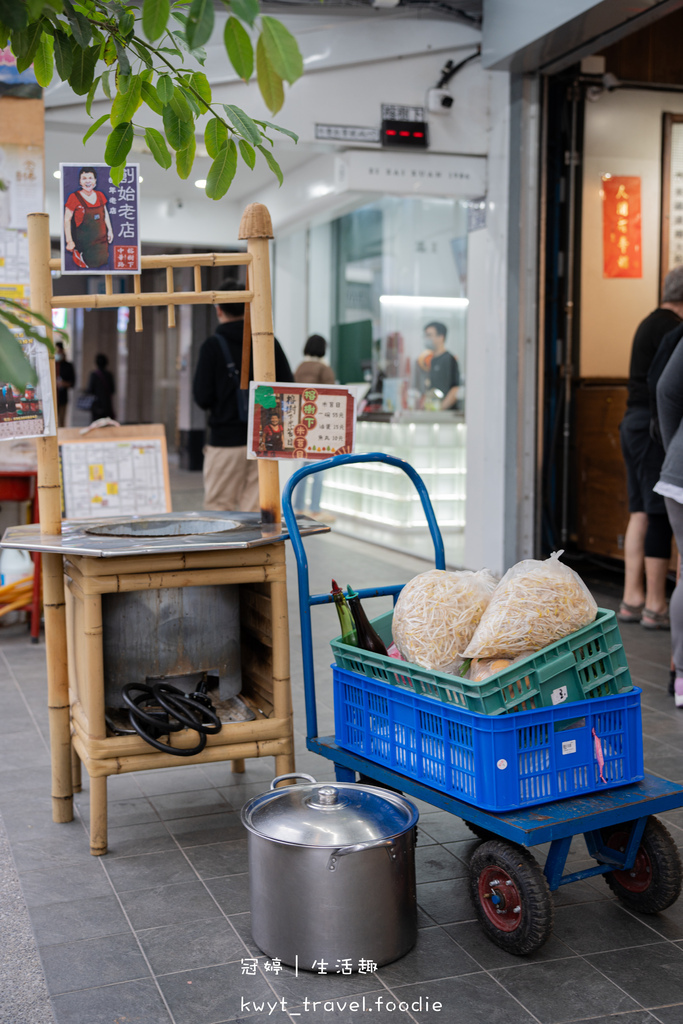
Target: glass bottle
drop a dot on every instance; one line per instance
(348, 630)
(368, 638)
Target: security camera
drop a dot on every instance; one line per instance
(439, 101)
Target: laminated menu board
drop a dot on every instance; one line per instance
(114, 471)
(300, 421)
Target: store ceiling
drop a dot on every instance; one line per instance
(466, 10)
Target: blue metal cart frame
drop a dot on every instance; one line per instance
(594, 815)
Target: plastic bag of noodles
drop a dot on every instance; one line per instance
(535, 604)
(436, 614)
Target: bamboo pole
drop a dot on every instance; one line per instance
(50, 504)
(169, 289)
(98, 769)
(188, 578)
(204, 259)
(256, 228)
(108, 284)
(266, 554)
(140, 298)
(98, 815)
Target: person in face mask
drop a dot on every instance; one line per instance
(443, 373)
(66, 378)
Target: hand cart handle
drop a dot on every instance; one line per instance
(305, 597)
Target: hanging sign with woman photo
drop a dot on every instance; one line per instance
(100, 232)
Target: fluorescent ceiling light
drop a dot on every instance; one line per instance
(200, 183)
(56, 174)
(422, 301)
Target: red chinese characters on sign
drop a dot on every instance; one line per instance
(125, 257)
(621, 227)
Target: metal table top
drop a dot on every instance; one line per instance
(109, 538)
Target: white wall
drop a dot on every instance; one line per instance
(623, 136)
(290, 294)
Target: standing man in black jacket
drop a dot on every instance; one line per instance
(230, 479)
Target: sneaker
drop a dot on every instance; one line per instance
(678, 692)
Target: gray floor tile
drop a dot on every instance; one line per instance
(237, 796)
(214, 994)
(444, 827)
(231, 892)
(472, 938)
(132, 1001)
(582, 892)
(445, 902)
(220, 858)
(152, 908)
(611, 927)
(133, 840)
(472, 999)
(65, 848)
(80, 919)
(191, 944)
(635, 1017)
(669, 1014)
(70, 966)
(242, 925)
(172, 780)
(668, 923)
(191, 804)
(151, 869)
(313, 985)
(651, 974)
(434, 863)
(385, 1007)
(63, 882)
(563, 990)
(256, 769)
(135, 811)
(208, 828)
(433, 956)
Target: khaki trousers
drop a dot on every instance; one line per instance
(230, 480)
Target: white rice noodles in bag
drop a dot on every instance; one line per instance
(535, 604)
(436, 615)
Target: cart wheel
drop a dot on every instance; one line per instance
(481, 833)
(511, 896)
(654, 881)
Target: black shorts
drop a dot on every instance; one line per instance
(643, 458)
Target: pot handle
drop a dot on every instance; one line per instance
(388, 844)
(292, 775)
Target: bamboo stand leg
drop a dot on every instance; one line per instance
(51, 520)
(282, 694)
(98, 815)
(75, 770)
(238, 766)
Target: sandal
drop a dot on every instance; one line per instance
(655, 620)
(630, 612)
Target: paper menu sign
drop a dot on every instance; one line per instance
(300, 421)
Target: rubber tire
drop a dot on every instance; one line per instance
(536, 920)
(667, 872)
(479, 832)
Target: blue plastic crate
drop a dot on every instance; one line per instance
(497, 762)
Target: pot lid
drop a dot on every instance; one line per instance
(329, 814)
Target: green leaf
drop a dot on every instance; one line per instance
(15, 368)
(156, 144)
(109, 55)
(272, 163)
(242, 123)
(222, 171)
(106, 85)
(124, 63)
(200, 84)
(248, 154)
(264, 396)
(91, 95)
(119, 141)
(122, 82)
(80, 27)
(277, 128)
(199, 23)
(126, 23)
(215, 136)
(34, 9)
(13, 14)
(93, 127)
(83, 69)
(143, 53)
(13, 304)
(63, 55)
(165, 88)
(126, 103)
(179, 104)
(178, 132)
(282, 49)
(199, 54)
(116, 174)
(185, 158)
(191, 100)
(27, 329)
(25, 44)
(155, 17)
(246, 10)
(151, 97)
(269, 82)
(4, 36)
(239, 48)
(43, 65)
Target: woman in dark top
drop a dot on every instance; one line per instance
(101, 385)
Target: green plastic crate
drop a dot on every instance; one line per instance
(588, 663)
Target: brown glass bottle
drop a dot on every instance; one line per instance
(368, 638)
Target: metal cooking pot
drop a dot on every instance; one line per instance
(332, 873)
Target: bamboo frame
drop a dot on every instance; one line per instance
(259, 569)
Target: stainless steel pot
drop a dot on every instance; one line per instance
(332, 873)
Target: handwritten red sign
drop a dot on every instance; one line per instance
(621, 227)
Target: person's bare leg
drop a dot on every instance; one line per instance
(634, 559)
(655, 584)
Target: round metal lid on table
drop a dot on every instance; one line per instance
(329, 814)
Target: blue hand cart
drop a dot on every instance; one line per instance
(510, 892)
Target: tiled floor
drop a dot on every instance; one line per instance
(156, 931)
